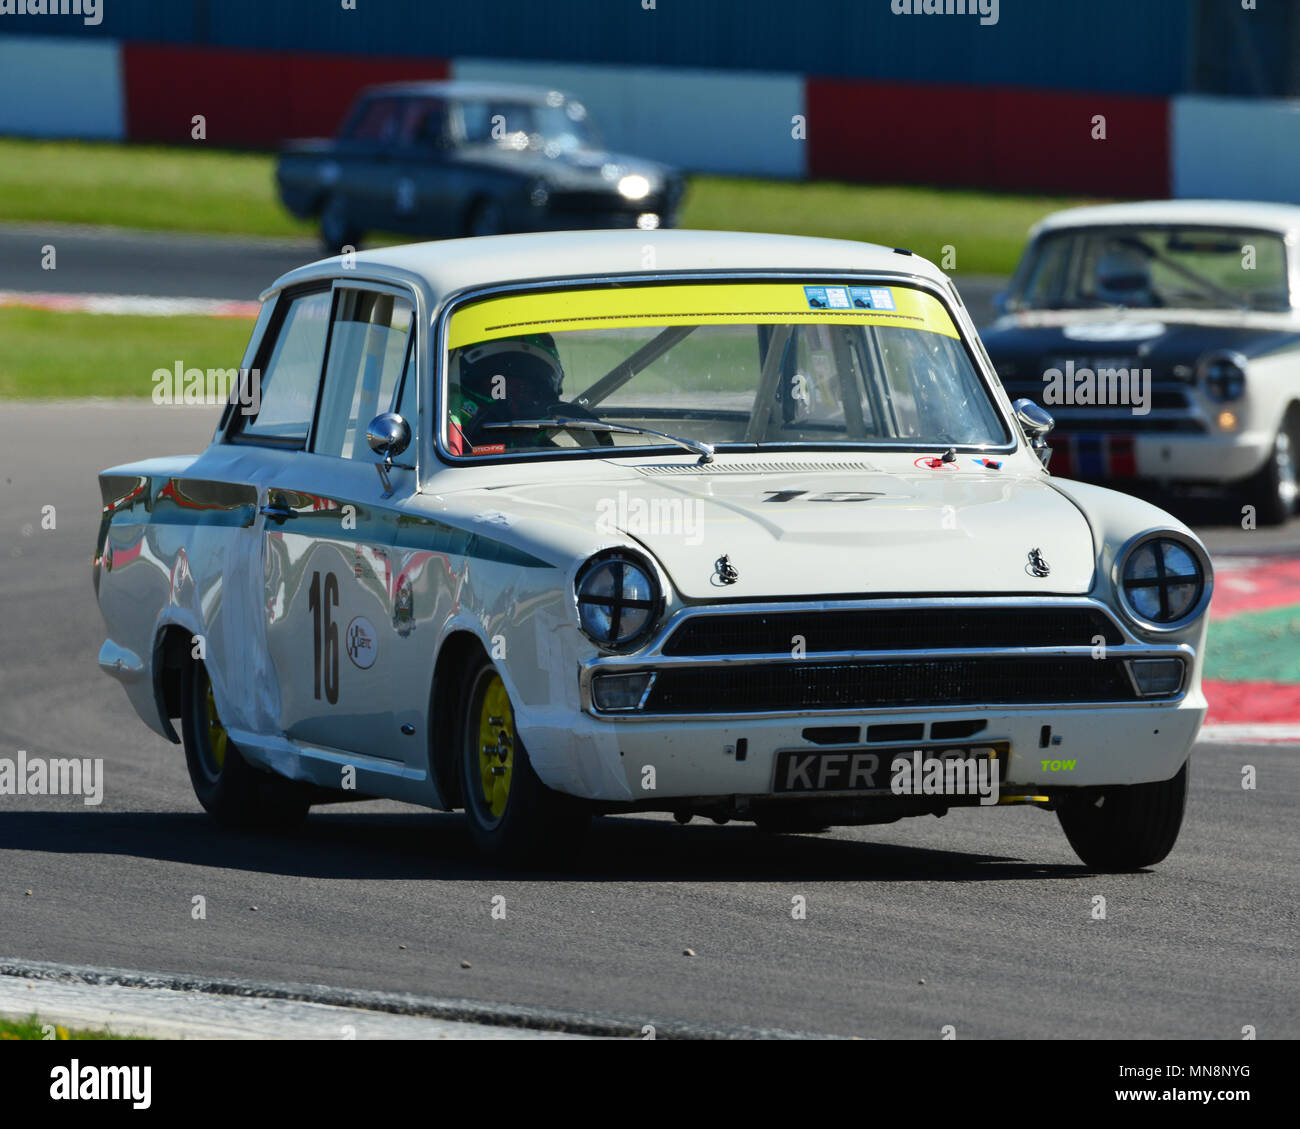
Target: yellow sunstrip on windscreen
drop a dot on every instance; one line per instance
(741, 303)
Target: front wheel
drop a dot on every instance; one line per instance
(1126, 828)
(513, 816)
(1273, 489)
(229, 788)
(337, 230)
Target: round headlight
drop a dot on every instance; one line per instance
(1163, 581)
(618, 600)
(1224, 375)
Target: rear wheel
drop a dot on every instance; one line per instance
(513, 816)
(1126, 828)
(229, 788)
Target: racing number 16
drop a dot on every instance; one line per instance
(325, 632)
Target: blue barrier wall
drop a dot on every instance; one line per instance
(1119, 46)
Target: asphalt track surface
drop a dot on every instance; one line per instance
(93, 260)
(167, 265)
(982, 920)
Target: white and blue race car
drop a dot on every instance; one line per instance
(547, 526)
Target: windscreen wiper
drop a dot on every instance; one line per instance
(704, 450)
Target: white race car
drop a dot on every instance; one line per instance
(1164, 337)
(742, 526)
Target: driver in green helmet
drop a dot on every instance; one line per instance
(498, 381)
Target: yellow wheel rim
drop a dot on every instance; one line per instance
(496, 746)
(217, 736)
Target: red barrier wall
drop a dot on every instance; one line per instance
(249, 98)
(1019, 140)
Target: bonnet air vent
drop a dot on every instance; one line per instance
(767, 466)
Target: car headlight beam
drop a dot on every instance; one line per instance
(619, 600)
(634, 186)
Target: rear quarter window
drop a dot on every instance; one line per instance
(291, 372)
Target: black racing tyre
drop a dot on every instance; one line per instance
(1273, 489)
(1126, 828)
(229, 788)
(337, 230)
(514, 818)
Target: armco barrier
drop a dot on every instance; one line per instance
(720, 121)
(250, 98)
(1236, 148)
(1017, 140)
(61, 88)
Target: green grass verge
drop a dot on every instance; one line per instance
(34, 1028)
(49, 355)
(985, 229)
(194, 188)
(145, 186)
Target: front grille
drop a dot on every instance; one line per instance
(604, 202)
(807, 685)
(891, 629)
(1172, 409)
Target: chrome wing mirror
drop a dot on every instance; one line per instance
(388, 435)
(1036, 423)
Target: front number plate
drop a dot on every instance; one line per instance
(866, 770)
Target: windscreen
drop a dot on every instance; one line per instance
(1153, 268)
(749, 365)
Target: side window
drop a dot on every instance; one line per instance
(424, 124)
(377, 120)
(368, 347)
(291, 375)
(474, 119)
(1046, 278)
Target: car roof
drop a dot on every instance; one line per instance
(463, 89)
(1283, 218)
(452, 265)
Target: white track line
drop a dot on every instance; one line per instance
(1249, 734)
(139, 304)
(162, 1013)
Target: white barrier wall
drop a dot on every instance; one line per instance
(1236, 148)
(719, 121)
(61, 88)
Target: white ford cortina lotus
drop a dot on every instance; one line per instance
(742, 526)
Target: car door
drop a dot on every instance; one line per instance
(370, 173)
(426, 193)
(339, 578)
